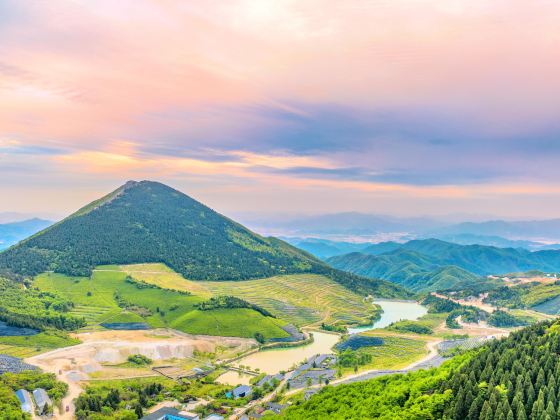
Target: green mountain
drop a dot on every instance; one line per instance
(147, 221)
(418, 264)
(409, 269)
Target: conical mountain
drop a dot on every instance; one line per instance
(147, 222)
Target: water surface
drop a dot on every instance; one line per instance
(393, 311)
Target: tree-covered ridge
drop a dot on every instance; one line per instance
(31, 308)
(517, 377)
(432, 264)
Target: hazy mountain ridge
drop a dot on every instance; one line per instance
(12, 233)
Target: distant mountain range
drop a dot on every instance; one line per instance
(347, 227)
(147, 221)
(433, 264)
(12, 233)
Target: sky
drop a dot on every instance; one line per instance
(404, 107)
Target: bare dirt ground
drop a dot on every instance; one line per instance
(73, 365)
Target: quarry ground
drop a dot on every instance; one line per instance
(101, 352)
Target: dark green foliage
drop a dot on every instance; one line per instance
(106, 402)
(350, 358)
(437, 305)
(505, 319)
(410, 326)
(512, 378)
(468, 314)
(260, 338)
(230, 302)
(357, 341)
(506, 297)
(334, 328)
(148, 222)
(30, 308)
(9, 404)
(139, 359)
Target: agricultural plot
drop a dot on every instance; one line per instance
(396, 352)
(107, 297)
(163, 276)
(300, 299)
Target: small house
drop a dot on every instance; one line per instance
(242, 391)
(214, 417)
(42, 400)
(24, 398)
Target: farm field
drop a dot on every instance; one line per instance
(301, 299)
(397, 351)
(163, 276)
(97, 300)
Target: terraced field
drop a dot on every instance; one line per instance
(97, 300)
(163, 276)
(301, 299)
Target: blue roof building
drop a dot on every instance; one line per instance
(42, 400)
(24, 398)
(242, 391)
(168, 413)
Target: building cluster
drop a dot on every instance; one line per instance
(316, 370)
(169, 413)
(40, 400)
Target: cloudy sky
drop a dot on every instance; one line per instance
(406, 107)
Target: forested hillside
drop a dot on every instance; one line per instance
(418, 264)
(148, 222)
(513, 378)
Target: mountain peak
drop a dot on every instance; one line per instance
(147, 221)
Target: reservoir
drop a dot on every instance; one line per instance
(393, 311)
(275, 360)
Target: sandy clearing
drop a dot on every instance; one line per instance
(73, 365)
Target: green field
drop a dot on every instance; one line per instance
(26, 346)
(95, 300)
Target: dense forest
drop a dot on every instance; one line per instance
(514, 378)
(150, 222)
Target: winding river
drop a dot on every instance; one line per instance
(274, 360)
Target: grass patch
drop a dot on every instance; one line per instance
(26, 346)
